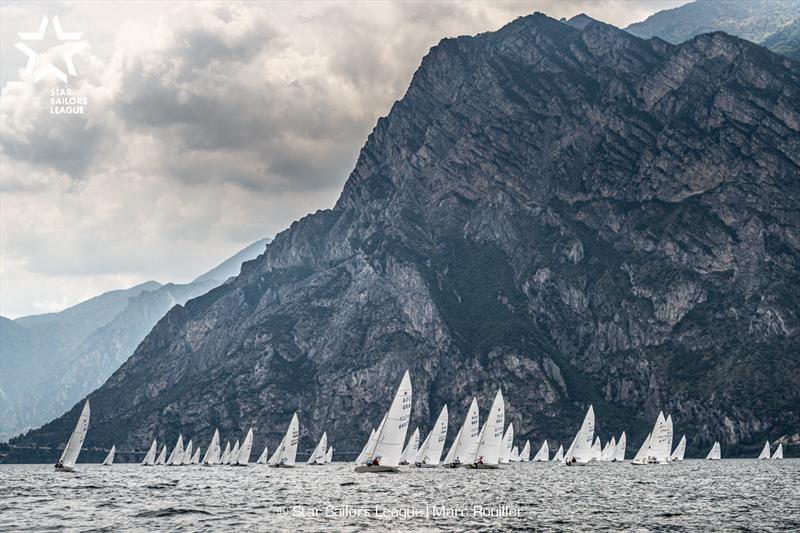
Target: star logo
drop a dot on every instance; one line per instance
(49, 69)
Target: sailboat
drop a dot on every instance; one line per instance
(619, 451)
(559, 456)
(150, 458)
(680, 450)
(109, 460)
(329, 455)
(234, 454)
(641, 456)
(487, 451)
(466, 437)
(508, 444)
(764, 452)
(597, 449)
(580, 451)
(525, 454)
(779, 452)
(514, 455)
(226, 454)
(187, 454)
(212, 453)
(714, 454)
(243, 457)
(262, 459)
(544, 453)
(659, 444)
(608, 451)
(286, 452)
(318, 455)
(411, 449)
(70, 454)
(362, 457)
(384, 454)
(176, 457)
(162, 457)
(430, 453)
(196, 457)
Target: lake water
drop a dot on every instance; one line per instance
(695, 495)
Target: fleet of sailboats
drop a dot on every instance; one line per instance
(474, 446)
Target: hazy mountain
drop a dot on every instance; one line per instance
(774, 24)
(574, 215)
(51, 361)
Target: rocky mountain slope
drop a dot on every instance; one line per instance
(574, 215)
(774, 24)
(53, 360)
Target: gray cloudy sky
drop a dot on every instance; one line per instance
(208, 126)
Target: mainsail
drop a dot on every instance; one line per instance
(150, 458)
(525, 454)
(411, 449)
(329, 455)
(262, 459)
(286, 452)
(467, 436)
(641, 456)
(660, 440)
(226, 454)
(597, 449)
(176, 457)
(109, 460)
(581, 448)
(508, 444)
(514, 455)
(559, 454)
(317, 457)
(73, 448)
(196, 457)
(714, 454)
(234, 454)
(391, 434)
(544, 453)
(243, 457)
(619, 452)
(779, 452)
(362, 457)
(490, 441)
(430, 453)
(162, 457)
(764, 452)
(680, 450)
(187, 454)
(212, 453)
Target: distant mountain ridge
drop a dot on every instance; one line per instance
(774, 24)
(49, 361)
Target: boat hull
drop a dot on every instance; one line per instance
(66, 469)
(376, 469)
(421, 465)
(281, 466)
(483, 467)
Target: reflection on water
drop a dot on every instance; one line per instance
(695, 495)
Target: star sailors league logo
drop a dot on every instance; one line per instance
(34, 62)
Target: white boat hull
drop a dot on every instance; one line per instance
(377, 469)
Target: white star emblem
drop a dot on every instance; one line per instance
(50, 69)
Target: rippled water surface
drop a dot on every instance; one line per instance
(695, 495)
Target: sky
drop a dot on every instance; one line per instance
(205, 126)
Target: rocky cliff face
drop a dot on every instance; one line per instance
(574, 215)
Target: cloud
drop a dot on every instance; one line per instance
(208, 126)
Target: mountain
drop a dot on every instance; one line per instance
(774, 24)
(51, 361)
(574, 215)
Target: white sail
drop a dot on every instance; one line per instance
(212, 453)
(73, 448)
(176, 457)
(329, 455)
(714, 454)
(392, 434)
(597, 449)
(608, 451)
(559, 454)
(317, 457)
(187, 454)
(430, 453)
(226, 454)
(660, 440)
(234, 454)
(109, 460)
(619, 452)
(162, 457)
(641, 456)
(765, 451)
(490, 441)
(196, 457)
(411, 449)
(286, 452)
(779, 452)
(362, 457)
(262, 459)
(582, 451)
(514, 455)
(243, 457)
(467, 436)
(544, 453)
(525, 454)
(680, 450)
(508, 444)
(150, 458)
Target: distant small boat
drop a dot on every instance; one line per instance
(525, 454)
(680, 450)
(286, 453)
(226, 454)
(486, 453)
(234, 454)
(213, 452)
(187, 454)
(73, 448)
(465, 438)
(243, 457)
(543, 454)
(317, 457)
(411, 449)
(162, 457)
(384, 450)
(430, 453)
(508, 445)
(619, 452)
(559, 456)
(329, 455)
(262, 459)
(765, 451)
(109, 460)
(779, 452)
(176, 457)
(714, 454)
(150, 458)
(580, 452)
